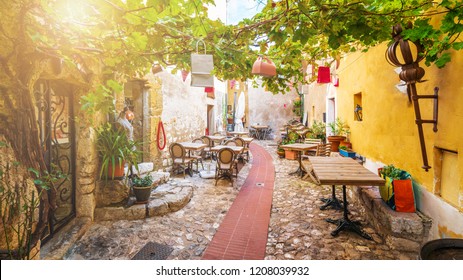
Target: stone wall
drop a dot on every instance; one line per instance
(14, 179)
(404, 231)
(184, 111)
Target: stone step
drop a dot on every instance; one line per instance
(143, 168)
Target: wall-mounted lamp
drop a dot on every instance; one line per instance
(358, 113)
(411, 74)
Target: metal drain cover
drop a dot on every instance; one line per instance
(259, 184)
(153, 251)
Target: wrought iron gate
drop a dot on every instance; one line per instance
(55, 115)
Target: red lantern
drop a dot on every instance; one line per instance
(208, 89)
(264, 67)
(323, 75)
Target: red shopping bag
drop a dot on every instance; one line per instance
(403, 196)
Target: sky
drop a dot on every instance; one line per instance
(232, 11)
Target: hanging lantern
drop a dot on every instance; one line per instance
(323, 75)
(156, 68)
(264, 67)
(184, 74)
(129, 115)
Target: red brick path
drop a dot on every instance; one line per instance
(243, 232)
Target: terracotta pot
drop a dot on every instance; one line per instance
(290, 154)
(230, 121)
(118, 171)
(346, 143)
(335, 141)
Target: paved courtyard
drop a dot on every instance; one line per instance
(297, 228)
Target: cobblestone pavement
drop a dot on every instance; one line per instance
(297, 227)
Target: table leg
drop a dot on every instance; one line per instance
(344, 223)
(332, 202)
(300, 171)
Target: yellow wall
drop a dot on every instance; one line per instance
(388, 133)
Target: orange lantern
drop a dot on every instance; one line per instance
(263, 66)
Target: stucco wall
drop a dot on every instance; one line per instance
(388, 133)
(184, 111)
(266, 108)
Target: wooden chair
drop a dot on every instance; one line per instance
(198, 155)
(209, 143)
(323, 150)
(311, 141)
(230, 142)
(225, 164)
(179, 158)
(240, 142)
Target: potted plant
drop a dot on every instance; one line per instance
(346, 151)
(317, 131)
(287, 153)
(115, 150)
(397, 192)
(339, 130)
(142, 187)
(230, 118)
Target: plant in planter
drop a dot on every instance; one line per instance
(142, 187)
(115, 150)
(397, 192)
(346, 151)
(339, 130)
(317, 131)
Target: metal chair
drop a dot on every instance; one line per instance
(209, 143)
(225, 164)
(240, 142)
(198, 155)
(179, 158)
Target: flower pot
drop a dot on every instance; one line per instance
(335, 141)
(345, 153)
(118, 171)
(281, 154)
(290, 154)
(142, 194)
(230, 120)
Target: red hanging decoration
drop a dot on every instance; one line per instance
(184, 74)
(161, 142)
(323, 75)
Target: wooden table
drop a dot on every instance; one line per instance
(344, 171)
(259, 131)
(236, 149)
(193, 146)
(300, 148)
(190, 146)
(216, 138)
(239, 133)
(247, 140)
